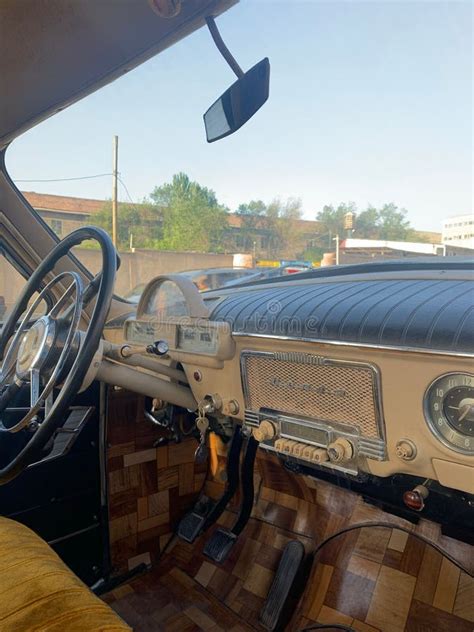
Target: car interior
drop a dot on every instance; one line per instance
(294, 453)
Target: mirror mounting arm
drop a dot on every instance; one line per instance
(224, 51)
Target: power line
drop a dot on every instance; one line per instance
(99, 175)
(126, 190)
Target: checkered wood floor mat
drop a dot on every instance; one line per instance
(372, 578)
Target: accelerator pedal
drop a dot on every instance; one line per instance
(197, 521)
(287, 571)
(222, 540)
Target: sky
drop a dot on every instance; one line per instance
(370, 102)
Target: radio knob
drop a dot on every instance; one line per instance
(340, 450)
(265, 432)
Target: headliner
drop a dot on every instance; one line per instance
(55, 52)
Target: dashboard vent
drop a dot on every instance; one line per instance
(316, 387)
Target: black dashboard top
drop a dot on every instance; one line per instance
(419, 313)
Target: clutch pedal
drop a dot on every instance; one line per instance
(222, 540)
(191, 526)
(197, 521)
(288, 568)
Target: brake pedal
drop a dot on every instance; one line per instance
(288, 568)
(220, 544)
(222, 540)
(196, 521)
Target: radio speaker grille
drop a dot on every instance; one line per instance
(311, 386)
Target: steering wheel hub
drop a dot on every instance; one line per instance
(35, 345)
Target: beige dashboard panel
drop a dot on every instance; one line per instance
(405, 376)
(455, 475)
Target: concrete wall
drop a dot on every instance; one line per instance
(136, 267)
(142, 265)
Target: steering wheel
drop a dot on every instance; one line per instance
(52, 352)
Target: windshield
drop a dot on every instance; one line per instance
(363, 151)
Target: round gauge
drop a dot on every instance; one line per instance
(449, 410)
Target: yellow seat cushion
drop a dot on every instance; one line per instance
(39, 592)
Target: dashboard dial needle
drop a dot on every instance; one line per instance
(465, 412)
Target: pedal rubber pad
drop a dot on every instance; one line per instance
(219, 545)
(191, 526)
(288, 567)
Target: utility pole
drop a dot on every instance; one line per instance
(336, 239)
(114, 191)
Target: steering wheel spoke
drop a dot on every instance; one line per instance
(35, 387)
(55, 311)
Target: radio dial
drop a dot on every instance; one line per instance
(265, 432)
(340, 450)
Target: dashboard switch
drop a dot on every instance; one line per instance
(307, 452)
(298, 450)
(405, 450)
(340, 450)
(289, 446)
(265, 431)
(320, 455)
(415, 498)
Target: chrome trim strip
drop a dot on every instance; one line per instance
(96, 525)
(359, 345)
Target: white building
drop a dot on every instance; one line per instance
(418, 248)
(459, 231)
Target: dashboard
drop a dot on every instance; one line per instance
(367, 374)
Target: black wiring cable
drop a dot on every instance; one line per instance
(338, 626)
(389, 525)
(126, 189)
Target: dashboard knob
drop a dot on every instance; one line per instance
(415, 498)
(405, 450)
(264, 432)
(340, 450)
(159, 348)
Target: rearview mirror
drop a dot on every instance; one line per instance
(239, 103)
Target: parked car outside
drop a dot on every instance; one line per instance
(216, 278)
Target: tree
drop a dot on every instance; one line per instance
(282, 226)
(393, 223)
(192, 217)
(140, 221)
(331, 220)
(388, 222)
(366, 224)
(250, 215)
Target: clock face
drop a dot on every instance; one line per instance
(449, 411)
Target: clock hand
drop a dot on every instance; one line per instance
(465, 412)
